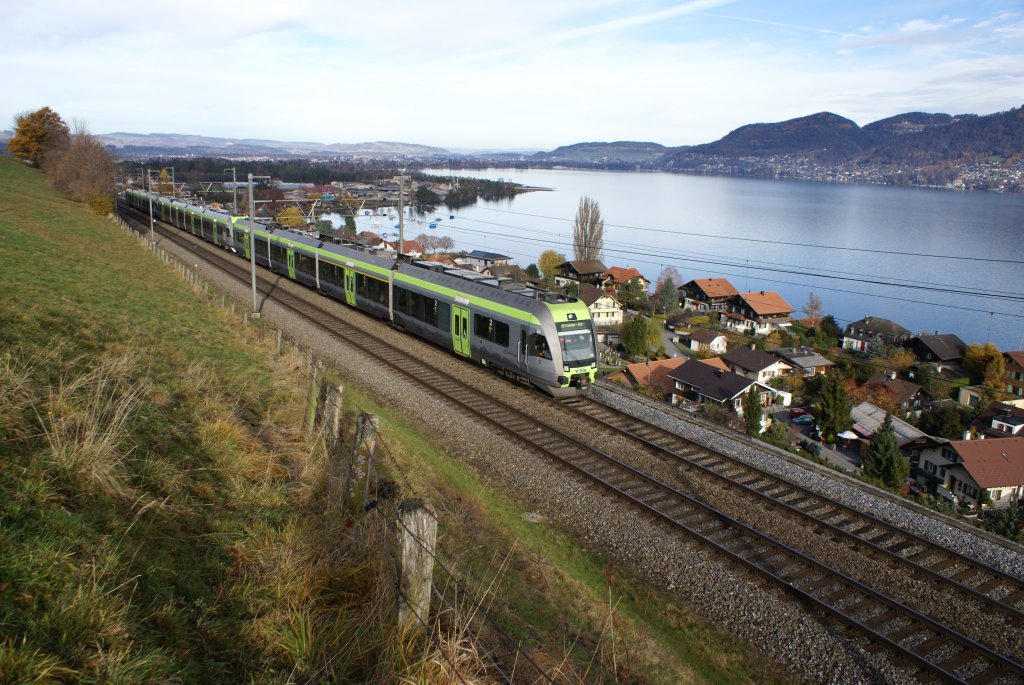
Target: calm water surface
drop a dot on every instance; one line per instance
(931, 260)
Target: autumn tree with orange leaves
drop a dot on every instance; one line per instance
(37, 135)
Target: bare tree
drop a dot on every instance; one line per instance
(588, 230)
(813, 308)
(84, 171)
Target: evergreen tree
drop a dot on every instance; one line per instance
(834, 407)
(752, 412)
(777, 434)
(883, 460)
(1008, 523)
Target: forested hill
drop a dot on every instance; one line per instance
(622, 151)
(913, 138)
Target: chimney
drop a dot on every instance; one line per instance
(967, 435)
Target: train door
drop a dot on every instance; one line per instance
(244, 237)
(291, 264)
(460, 330)
(216, 233)
(350, 287)
(524, 357)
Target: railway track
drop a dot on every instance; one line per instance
(914, 640)
(950, 570)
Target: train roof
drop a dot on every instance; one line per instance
(502, 290)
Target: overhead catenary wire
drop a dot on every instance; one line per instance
(661, 257)
(774, 242)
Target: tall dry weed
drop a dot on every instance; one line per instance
(86, 424)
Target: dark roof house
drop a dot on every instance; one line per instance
(708, 383)
(581, 270)
(804, 358)
(944, 347)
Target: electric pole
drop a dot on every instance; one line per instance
(152, 223)
(234, 190)
(252, 244)
(401, 213)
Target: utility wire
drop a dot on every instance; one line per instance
(771, 242)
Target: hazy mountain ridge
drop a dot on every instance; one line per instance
(622, 150)
(156, 143)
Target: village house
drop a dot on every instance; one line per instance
(409, 247)
(756, 364)
(1014, 373)
(616, 277)
(945, 348)
(478, 260)
(579, 271)
(999, 420)
(707, 294)
(511, 271)
(804, 360)
(605, 310)
(695, 382)
(440, 258)
(652, 376)
(858, 335)
(868, 418)
(965, 468)
(907, 397)
(705, 340)
(757, 313)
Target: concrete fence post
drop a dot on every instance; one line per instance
(277, 349)
(359, 468)
(416, 539)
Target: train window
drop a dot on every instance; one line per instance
(304, 263)
(540, 346)
(444, 316)
(279, 255)
(330, 273)
(487, 328)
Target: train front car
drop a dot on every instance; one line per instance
(573, 348)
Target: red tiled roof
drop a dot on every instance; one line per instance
(715, 287)
(715, 362)
(767, 302)
(654, 374)
(1017, 356)
(993, 462)
(622, 275)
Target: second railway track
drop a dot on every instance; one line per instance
(912, 638)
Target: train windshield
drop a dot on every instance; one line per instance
(577, 348)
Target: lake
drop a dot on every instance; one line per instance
(930, 260)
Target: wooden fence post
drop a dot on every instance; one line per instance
(417, 536)
(313, 396)
(359, 468)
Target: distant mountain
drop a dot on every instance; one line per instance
(826, 138)
(127, 144)
(824, 135)
(620, 151)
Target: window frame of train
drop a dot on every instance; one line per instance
(278, 256)
(372, 289)
(492, 330)
(420, 307)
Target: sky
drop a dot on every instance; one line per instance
(529, 74)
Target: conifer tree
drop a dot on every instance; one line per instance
(883, 460)
(834, 407)
(752, 412)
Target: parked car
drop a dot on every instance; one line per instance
(797, 411)
(805, 420)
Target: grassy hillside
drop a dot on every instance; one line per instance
(160, 521)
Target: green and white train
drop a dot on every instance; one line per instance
(534, 336)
